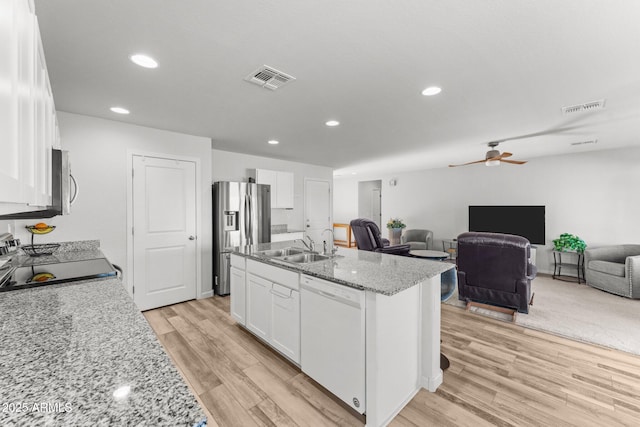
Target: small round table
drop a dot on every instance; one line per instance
(429, 254)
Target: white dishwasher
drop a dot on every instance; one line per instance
(333, 338)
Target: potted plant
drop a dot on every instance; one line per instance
(569, 242)
(395, 226)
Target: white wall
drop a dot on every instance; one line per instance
(98, 153)
(591, 194)
(228, 166)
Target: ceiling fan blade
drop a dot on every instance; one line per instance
(515, 162)
(505, 154)
(470, 163)
(566, 129)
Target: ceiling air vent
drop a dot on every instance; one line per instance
(592, 141)
(581, 108)
(269, 78)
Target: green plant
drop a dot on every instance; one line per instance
(396, 223)
(568, 241)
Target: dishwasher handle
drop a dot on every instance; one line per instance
(331, 296)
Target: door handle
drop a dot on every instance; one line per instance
(192, 237)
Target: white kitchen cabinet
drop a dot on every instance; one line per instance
(281, 187)
(10, 184)
(273, 307)
(28, 125)
(238, 295)
(285, 321)
(284, 187)
(268, 177)
(259, 306)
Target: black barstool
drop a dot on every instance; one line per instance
(448, 281)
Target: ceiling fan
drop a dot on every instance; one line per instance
(494, 157)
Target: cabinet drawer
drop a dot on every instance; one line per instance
(238, 261)
(274, 274)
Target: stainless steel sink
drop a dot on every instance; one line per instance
(281, 252)
(305, 258)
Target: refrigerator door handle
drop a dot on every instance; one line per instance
(247, 214)
(250, 221)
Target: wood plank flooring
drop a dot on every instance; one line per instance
(501, 374)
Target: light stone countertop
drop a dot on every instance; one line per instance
(70, 346)
(381, 273)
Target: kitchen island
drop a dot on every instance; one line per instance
(81, 353)
(364, 325)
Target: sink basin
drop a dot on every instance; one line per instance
(305, 258)
(281, 252)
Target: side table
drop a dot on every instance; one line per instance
(573, 261)
(450, 246)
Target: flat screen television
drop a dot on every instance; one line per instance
(525, 221)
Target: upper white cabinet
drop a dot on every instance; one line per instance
(28, 125)
(284, 187)
(281, 187)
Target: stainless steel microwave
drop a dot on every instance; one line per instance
(61, 190)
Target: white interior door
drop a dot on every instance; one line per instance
(164, 231)
(317, 210)
(376, 207)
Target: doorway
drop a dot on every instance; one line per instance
(370, 201)
(164, 250)
(317, 209)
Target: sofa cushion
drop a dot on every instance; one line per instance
(612, 268)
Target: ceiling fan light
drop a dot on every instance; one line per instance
(492, 163)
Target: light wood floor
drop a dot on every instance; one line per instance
(500, 374)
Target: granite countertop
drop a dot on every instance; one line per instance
(381, 273)
(67, 348)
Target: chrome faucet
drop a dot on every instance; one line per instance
(324, 242)
(310, 246)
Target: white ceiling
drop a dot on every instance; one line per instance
(506, 68)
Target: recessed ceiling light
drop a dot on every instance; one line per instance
(353, 173)
(332, 123)
(144, 61)
(119, 110)
(273, 142)
(432, 90)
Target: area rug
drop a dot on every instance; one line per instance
(579, 312)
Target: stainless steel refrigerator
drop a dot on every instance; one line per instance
(241, 216)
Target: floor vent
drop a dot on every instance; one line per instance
(580, 108)
(269, 78)
(592, 141)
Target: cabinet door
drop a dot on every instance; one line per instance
(10, 187)
(285, 321)
(268, 177)
(238, 295)
(42, 156)
(284, 184)
(26, 92)
(258, 306)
